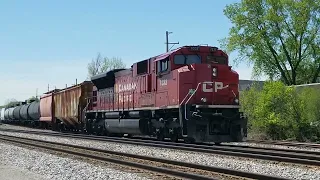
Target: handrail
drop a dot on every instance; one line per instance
(188, 94)
(185, 112)
(193, 92)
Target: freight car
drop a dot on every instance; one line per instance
(23, 113)
(2, 110)
(190, 93)
(62, 109)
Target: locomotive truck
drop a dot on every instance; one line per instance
(189, 93)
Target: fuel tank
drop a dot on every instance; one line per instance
(126, 126)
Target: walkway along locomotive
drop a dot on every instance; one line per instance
(190, 93)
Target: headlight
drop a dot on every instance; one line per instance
(204, 100)
(214, 72)
(236, 101)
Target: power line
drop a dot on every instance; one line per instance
(167, 41)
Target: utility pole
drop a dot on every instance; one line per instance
(167, 41)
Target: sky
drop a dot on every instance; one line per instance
(51, 42)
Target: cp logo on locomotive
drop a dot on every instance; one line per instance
(217, 86)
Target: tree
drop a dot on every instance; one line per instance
(279, 37)
(10, 102)
(100, 65)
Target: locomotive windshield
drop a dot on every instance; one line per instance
(187, 59)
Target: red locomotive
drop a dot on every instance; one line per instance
(190, 93)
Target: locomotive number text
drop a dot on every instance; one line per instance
(163, 82)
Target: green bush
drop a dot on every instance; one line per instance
(280, 112)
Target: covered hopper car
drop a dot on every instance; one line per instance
(189, 93)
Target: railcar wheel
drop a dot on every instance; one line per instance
(160, 134)
(189, 140)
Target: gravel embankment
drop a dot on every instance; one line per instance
(52, 167)
(292, 171)
(16, 173)
(9, 126)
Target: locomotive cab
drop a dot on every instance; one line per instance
(207, 93)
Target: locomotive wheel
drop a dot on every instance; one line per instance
(160, 136)
(189, 140)
(174, 138)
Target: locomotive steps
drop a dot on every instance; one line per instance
(158, 165)
(271, 154)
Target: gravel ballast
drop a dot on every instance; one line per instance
(273, 146)
(292, 171)
(37, 165)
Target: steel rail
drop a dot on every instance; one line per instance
(286, 143)
(91, 152)
(289, 156)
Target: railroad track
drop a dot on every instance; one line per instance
(158, 165)
(286, 143)
(264, 153)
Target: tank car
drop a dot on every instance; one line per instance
(10, 114)
(24, 113)
(16, 113)
(6, 115)
(190, 93)
(34, 113)
(2, 111)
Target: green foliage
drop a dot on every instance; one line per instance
(13, 102)
(280, 112)
(281, 38)
(10, 103)
(33, 99)
(100, 65)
